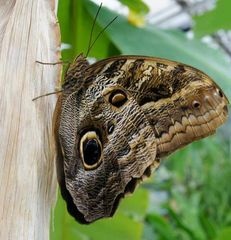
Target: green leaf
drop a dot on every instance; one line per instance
(224, 234)
(127, 222)
(136, 205)
(207, 225)
(179, 223)
(137, 6)
(122, 226)
(214, 20)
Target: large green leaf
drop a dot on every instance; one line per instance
(126, 224)
(214, 20)
(224, 234)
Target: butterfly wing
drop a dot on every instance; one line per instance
(126, 114)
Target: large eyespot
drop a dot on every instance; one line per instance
(90, 150)
(118, 98)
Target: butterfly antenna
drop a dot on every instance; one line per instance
(92, 28)
(47, 94)
(91, 45)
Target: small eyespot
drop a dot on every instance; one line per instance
(196, 104)
(118, 98)
(220, 93)
(90, 150)
(111, 128)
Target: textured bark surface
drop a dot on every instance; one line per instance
(28, 32)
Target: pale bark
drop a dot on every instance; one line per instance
(28, 32)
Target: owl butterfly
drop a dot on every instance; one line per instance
(115, 120)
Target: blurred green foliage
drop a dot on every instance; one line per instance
(214, 20)
(189, 197)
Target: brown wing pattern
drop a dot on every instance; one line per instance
(116, 118)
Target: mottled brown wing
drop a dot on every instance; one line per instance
(115, 120)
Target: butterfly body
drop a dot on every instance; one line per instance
(117, 118)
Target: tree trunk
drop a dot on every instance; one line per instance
(28, 32)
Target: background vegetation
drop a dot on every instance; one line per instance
(189, 197)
